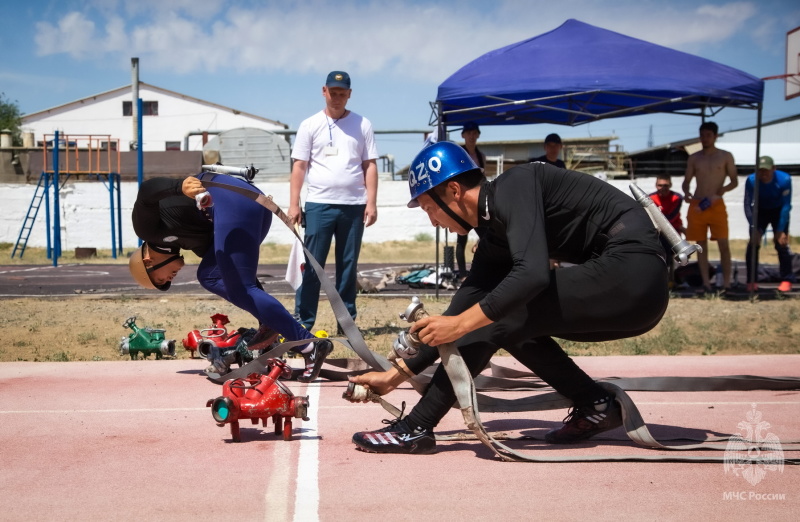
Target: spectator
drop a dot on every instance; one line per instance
(470, 133)
(708, 168)
(552, 148)
(669, 203)
(774, 209)
(334, 150)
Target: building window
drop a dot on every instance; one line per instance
(104, 145)
(149, 108)
(173, 145)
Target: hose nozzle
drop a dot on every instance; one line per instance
(681, 249)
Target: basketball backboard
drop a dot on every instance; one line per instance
(793, 63)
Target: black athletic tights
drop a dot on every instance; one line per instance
(616, 295)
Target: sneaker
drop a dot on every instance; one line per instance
(785, 286)
(397, 437)
(220, 363)
(752, 287)
(263, 339)
(314, 360)
(584, 422)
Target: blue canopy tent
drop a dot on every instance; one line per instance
(579, 73)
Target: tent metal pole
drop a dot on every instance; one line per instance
(441, 136)
(754, 240)
(441, 128)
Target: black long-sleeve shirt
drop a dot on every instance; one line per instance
(530, 214)
(536, 212)
(168, 220)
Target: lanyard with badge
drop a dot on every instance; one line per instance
(330, 150)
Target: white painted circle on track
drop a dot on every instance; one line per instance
(42, 272)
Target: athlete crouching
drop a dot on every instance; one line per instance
(512, 299)
(227, 237)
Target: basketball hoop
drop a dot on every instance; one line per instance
(792, 76)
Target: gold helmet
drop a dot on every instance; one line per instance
(141, 274)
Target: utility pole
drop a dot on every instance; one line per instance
(134, 143)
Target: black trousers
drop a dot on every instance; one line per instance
(770, 217)
(616, 295)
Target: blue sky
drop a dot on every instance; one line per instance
(271, 58)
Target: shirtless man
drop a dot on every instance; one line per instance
(709, 167)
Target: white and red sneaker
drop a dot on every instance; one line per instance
(586, 421)
(314, 360)
(397, 437)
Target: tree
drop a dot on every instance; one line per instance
(11, 118)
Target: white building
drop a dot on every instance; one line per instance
(170, 120)
(780, 139)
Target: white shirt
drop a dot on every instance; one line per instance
(335, 150)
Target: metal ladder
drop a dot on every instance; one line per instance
(30, 218)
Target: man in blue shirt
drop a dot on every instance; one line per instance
(774, 209)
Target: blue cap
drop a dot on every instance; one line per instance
(338, 79)
(471, 126)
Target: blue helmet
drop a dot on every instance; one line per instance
(434, 165)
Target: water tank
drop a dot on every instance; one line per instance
(265, 150)
(5, 138)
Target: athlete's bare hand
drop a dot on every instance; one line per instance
(379, 382)
(438, 329)
(192, 186)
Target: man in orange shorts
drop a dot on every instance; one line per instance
(709, 168)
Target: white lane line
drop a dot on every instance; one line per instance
(276, 497)
(306, 498)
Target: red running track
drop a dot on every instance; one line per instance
(133, 440)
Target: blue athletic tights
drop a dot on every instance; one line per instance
(228, 269)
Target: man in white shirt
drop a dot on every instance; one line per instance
(335, 152)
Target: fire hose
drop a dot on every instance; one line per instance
(635, 427)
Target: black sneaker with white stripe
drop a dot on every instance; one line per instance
(587, 421)
(314, 360)
(397, 437)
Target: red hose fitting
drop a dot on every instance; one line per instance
(259, 397)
